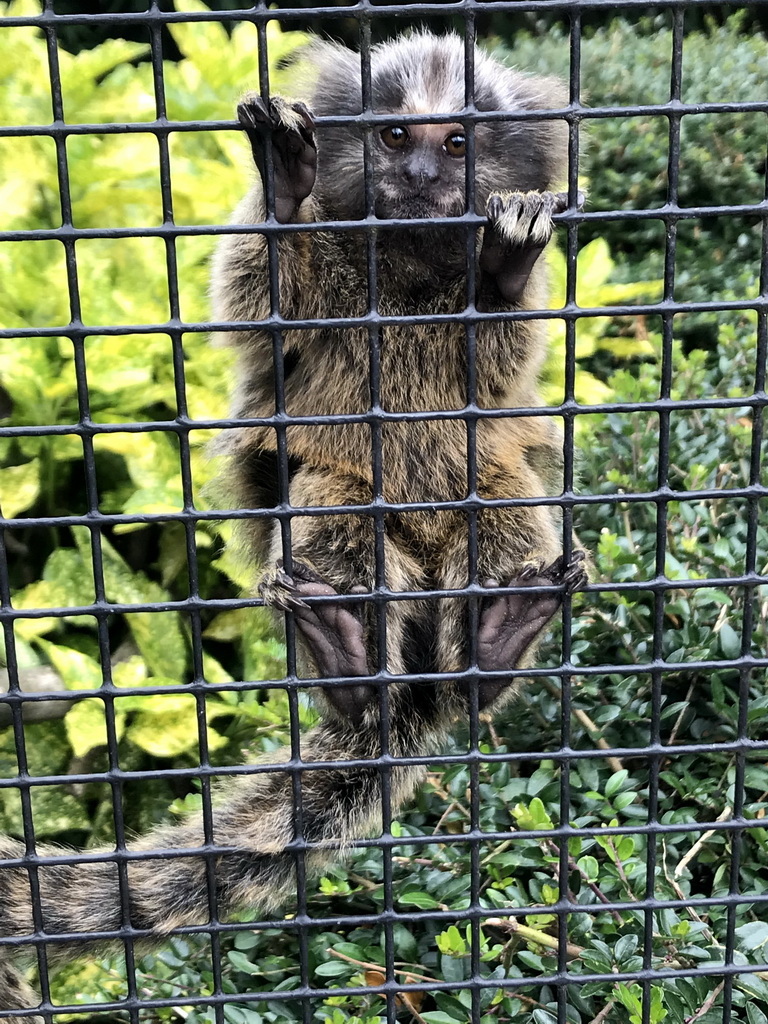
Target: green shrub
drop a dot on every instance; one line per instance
(722, 155)
(705, 538)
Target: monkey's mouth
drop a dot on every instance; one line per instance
(417, 206)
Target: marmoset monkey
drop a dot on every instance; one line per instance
(418, 171)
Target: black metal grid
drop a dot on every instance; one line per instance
(182, 425)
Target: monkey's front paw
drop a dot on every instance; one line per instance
(519, 226)
(522, 218)
(291, 127)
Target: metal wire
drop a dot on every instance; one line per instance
(658, 585)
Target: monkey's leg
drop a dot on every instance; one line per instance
(291, 128)
(519, 227)
(331, 630)
(515, 544)
(336, 554)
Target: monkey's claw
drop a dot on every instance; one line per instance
(574, 574)
(278, 590)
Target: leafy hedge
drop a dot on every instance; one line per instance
(115, 182)
(722, 155)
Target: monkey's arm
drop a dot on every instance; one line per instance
(290, 126)
(519, 227)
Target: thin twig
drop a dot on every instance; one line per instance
(681, 716)
(707, 1004)
(511, 924)
(454, 805)
(495, 852)
(487, 721)
(370, 966)
(692, 912)
(366, 883)
(592, 727)
(619, 867)
(696, 848)
(427, 862)
(603, 1015)
(573, 865)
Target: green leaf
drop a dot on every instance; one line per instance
(452, 968)
(752, 935)
(451, 942)
(241, 962)
(87, 727)
(166, 724)
(755, 1015)
(418, 899)
(616, 782)
(158, 635)
(77, 670)
(625, 947)
(333, 969)
(730, 641)
(543, 1017)
(590, 867)
(19, 487)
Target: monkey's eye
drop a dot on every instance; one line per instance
(394, 137)
(456, 144)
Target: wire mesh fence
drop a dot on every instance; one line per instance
(551, 920)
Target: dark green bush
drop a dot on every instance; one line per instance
(624, 159)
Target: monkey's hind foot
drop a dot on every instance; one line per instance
(519, 226)
(291, 127)
(510, 623)
(332, 632)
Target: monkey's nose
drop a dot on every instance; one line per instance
(421, 171)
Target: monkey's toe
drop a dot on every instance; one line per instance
(252, 111)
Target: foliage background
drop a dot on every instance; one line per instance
(115, 182)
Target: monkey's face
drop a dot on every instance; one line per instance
(419, 170)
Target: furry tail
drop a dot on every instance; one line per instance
(15, 994)
(256, 832)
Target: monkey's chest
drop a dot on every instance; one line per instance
(424, 461)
